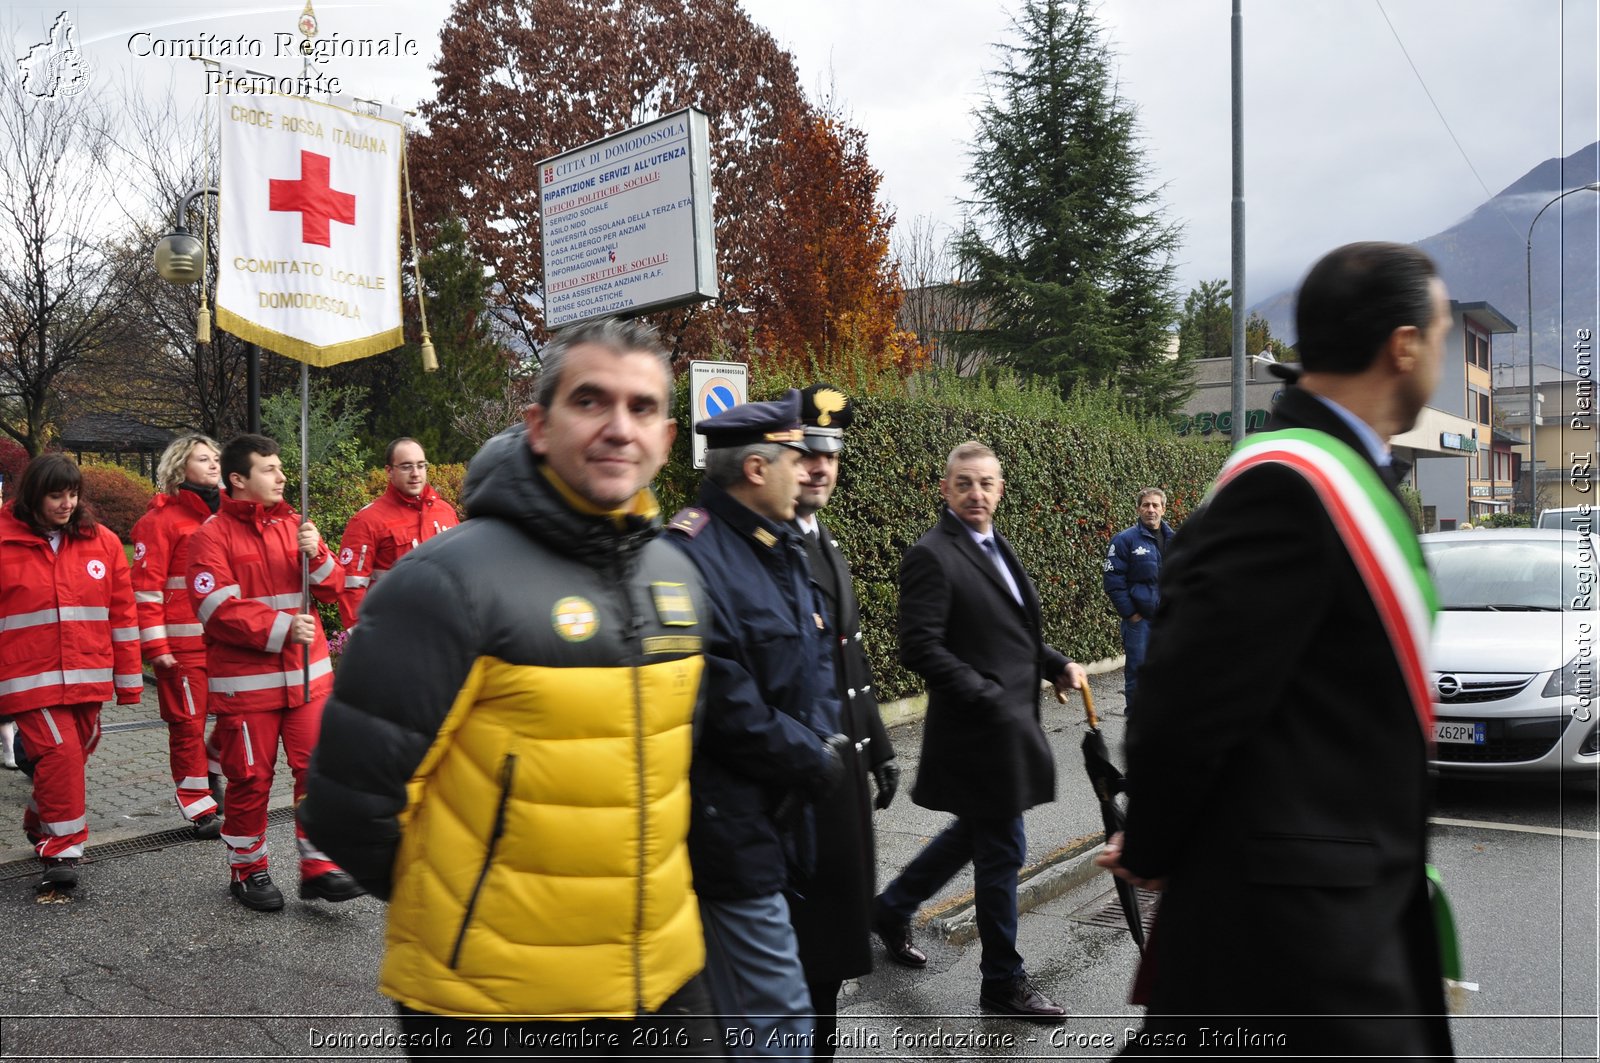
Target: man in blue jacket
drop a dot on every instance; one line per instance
(1132, 580)
(770, 745)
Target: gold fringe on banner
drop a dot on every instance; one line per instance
(310, 353)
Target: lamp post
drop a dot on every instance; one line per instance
(1533, 431)
(178, 258)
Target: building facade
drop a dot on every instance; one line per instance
(1564, 405)
(1439, 434)
(1467, 476)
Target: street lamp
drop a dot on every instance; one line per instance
(179, 258)
(178, 253)
(1533, 434)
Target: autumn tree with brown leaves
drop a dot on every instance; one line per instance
(831, 282)
(519, 81)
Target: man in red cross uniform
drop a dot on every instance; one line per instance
(245, 580)
(406, 515)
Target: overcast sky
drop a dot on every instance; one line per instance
(1341, 143)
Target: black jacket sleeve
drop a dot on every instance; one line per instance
(405, 665)
(925, 608)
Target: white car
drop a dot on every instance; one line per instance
(1514, 657)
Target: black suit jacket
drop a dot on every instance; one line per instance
(833, 919)
(984, 751)
(1279, 780)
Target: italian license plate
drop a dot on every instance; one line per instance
(1458, 732)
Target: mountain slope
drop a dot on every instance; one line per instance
(1483, 259)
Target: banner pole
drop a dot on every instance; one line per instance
(305, 562)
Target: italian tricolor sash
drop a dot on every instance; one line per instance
(1376, 532)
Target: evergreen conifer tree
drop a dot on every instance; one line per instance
(473, 366)
(1071, 259)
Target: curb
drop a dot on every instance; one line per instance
(1061, 872)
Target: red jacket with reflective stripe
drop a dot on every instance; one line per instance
(167, 622)
(244, 580)
(381, 534)
(68, 633)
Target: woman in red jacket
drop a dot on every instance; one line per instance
(68, 641)
(169, 632)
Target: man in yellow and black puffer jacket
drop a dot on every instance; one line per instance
(505, 757)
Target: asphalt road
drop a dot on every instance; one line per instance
(1521, 867)
(1521, 862)
(155, 961)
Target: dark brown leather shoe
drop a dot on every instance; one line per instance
(1020, 999)
(896, 938)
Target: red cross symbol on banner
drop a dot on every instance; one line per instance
(314, 198)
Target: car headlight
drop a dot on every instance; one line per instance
(1574, 680)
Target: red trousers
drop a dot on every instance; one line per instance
(247, 745)
(181, 691)
(59, 742)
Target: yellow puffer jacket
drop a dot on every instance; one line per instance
(602, 906)
(506, 758)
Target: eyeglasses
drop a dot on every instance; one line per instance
(411, 466)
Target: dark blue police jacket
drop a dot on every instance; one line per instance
(769, 700)
(1133, 570)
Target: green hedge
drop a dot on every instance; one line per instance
(1072, 473)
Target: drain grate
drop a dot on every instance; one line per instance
(1106, 910)
(144, 843)
(130, 725)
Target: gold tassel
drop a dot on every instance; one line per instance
(430, 360)
(202, 325)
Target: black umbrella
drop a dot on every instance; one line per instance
(1108, 782)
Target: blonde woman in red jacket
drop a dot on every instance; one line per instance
(69, 640)
(169, 631)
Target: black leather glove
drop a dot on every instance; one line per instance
(887, 776)
(833, 748)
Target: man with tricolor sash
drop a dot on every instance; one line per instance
(1278, 753)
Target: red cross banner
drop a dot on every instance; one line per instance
(309, 253)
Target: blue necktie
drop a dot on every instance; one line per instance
(1005, 571)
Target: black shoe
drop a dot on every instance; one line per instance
(1020, 998)
(332, 886)
(896, 938)
(208, 826)
(60, 873)
(257, 892)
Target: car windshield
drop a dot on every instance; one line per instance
(1512, 574)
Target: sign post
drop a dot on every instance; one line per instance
(714, 387)
(626, 222)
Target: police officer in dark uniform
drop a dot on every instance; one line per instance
(769, 744)
(833, 920)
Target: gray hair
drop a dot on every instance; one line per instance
(615, 335)
(170, 467)
(725, 465)
(1148, 491)
(967, 451)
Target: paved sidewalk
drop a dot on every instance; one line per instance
(1063, 830)
(129, 782)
